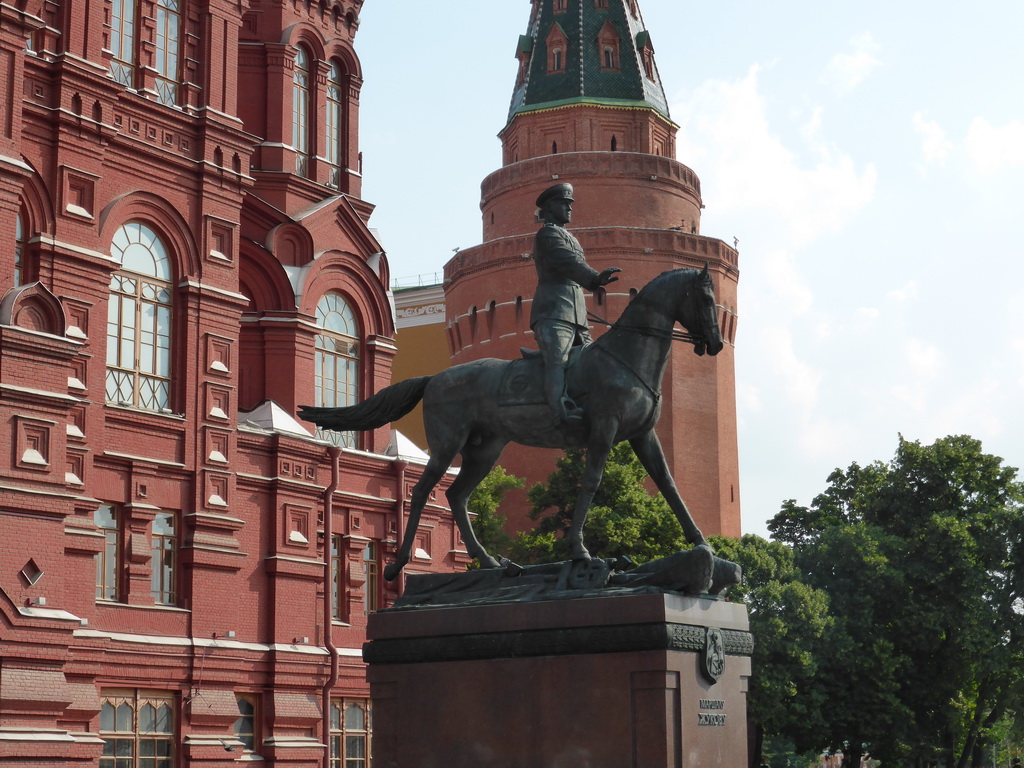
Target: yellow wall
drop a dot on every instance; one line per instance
(422, 350)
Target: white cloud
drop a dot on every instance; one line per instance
(727, 135)
(800, 380)
(848, 70)
(788, 286)
(1017, 347)
(822, 437)
(924, 359)
(995, 148)
(811, 130)
(913, 397)
(935, 147)
(904, 294)
(748, 397)
(978, 409)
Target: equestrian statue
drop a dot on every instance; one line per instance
(603, 391)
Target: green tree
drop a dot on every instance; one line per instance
(790, 621)
(624, 519)
(923, 562)
(484, 505)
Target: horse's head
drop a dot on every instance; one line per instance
(700, 314)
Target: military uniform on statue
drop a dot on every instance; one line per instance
(559, 314)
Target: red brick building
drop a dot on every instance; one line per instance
(185, 571)
(588, 108)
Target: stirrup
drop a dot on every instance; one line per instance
(570, 412)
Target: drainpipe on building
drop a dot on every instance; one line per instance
(334, 452)
(400, 513)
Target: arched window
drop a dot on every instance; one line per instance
(125, 44)
(335, 125)
(19, 251)
(300, 111)
(139, 320)
(556, 60)
(336, 379)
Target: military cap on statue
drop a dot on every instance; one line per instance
(557, 192)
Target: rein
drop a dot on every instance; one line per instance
(645, 330)
(655, 393)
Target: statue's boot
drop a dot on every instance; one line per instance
(563, 409)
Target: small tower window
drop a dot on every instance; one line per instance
(643, 45)
(561, 5)
(608, 43)
(615, 144)
(524, 62)
(556, 43)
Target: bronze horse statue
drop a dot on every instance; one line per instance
(477, 408)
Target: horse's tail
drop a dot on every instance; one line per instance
(388, 405)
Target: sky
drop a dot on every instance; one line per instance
(868, 157)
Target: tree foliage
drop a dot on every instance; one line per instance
(789, 620)
(484, 505)
(624, 518)
(922, 560)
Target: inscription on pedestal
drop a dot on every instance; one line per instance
(711, 718)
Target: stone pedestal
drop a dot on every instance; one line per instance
(637, 680)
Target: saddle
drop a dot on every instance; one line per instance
(522, 383)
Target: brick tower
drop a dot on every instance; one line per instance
(588, 108)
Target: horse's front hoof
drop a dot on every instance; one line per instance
(579, 553)
(391, 570)
(488, 562)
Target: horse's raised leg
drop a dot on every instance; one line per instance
(477, 461)
(598, 449)
(432, 473)
(648, 449)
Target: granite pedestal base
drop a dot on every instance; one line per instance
(640, 681)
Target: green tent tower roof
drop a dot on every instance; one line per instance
(586, 52)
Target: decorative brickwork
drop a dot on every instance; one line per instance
(166, 575)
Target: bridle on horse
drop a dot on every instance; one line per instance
(644, 330)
